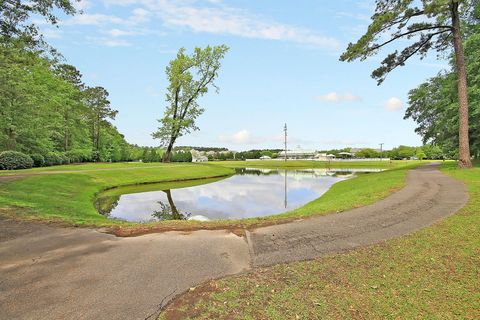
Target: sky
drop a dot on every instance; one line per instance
(282, 67)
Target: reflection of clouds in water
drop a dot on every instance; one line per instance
(240, 196)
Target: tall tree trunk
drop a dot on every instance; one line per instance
(167, 157)
(463, 147)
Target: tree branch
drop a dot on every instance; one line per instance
(448, 28)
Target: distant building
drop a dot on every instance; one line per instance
(197, 156)
(324, 157)
(297, 154)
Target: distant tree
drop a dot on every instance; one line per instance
(434, 24)
(367, 153)
(190, 78)
(96, 99)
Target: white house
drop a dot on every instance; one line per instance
(197, 156)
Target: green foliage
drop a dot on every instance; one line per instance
(427, 22)
(15, 15)
(45, 107)
(433, 105)
(79, 155)
(367, 153)
(53, 159)
(38, 160)
(190, 77)
(182, 157)
(13, 160)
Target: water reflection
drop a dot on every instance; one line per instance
(169, 211)
(249, 193)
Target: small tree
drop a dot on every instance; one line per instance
(189, 77)
(434, 24)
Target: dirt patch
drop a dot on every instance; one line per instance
(175, 309)
(11, 229)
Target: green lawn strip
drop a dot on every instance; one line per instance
(70, 197)
(431, 274)
(89, 167)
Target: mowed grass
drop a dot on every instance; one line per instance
(431, 274)
(69, 196)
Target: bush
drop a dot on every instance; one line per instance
(79, 155)
(12, 160)
(38, 160)
(181, 157)
(53, 159)
(63, 158)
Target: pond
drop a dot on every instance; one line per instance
(249, 193)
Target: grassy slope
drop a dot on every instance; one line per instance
(431, 274)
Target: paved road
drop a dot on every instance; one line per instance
(67, 273)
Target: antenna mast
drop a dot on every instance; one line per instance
(285, 130)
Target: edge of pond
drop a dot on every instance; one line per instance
(237, 227)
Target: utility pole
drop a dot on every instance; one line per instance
(285, 130)
(381, 151)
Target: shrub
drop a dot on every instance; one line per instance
(63, 158)
(12, 160)
(52, 159)
(79, 155)
(181, 157)
(38, 160)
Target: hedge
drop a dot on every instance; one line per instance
(13, 160)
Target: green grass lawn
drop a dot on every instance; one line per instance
(431, 274)
(67, 193)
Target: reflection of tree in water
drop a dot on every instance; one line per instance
(258, 172)
(105, 205)
(169, 211)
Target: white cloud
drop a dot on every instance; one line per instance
(119, 2)
(108, 42)
(393, 104)
(120, 33)
(137, 17)
(221, 19)
(52, 33)
(334, 97)
(82, 5)
(241, 137)
(95, 19)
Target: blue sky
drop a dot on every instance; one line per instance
(282, 67)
